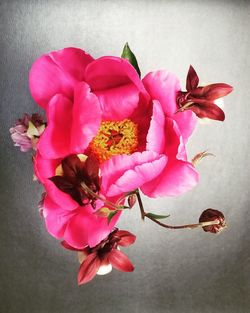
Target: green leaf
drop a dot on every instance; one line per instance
(124, 207)
(156, 216)
(129, 55)
(111, 215)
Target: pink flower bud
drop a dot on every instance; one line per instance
(132, 200)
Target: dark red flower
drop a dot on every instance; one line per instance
(201, 100)
(211, 215)
(105, 253)
(77, 174)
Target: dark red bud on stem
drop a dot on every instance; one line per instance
(132, 200)
(211, 215)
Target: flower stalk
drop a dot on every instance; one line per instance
(96, 196)
(190, 226)
(144, 214)
(117, 206)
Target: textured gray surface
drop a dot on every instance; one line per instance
(178, 271)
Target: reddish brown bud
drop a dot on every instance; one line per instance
(131, 200)
(210, 216)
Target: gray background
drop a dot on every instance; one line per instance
(176, 271)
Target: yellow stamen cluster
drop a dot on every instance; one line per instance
(115, 138)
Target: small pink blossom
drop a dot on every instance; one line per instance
(26, 131)
(102, 107)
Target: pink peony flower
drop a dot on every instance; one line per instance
(104, 256)
(102, 106)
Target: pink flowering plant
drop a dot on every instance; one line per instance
(108, 136)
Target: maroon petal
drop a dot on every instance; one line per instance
(72, 166)
(192, 79)
(197, 92)
(66, 186)
(88, 269)
(62, 183)
(126, 238)
(208, 110)
(120, 261)
(215, 91)
(92, 166)
(69, 247)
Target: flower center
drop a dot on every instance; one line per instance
(115, 138)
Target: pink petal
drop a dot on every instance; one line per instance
(174, 147)
(118, 103)
(163, 86)
(156, 132)
(88, 269)
(124, 173)
(61, 198)
(87, 228)
(120, 261)
(117, 85)
(57, 72)
(186, 121)
(177, 177)
(55, 141)
(111, 72)
(56, 218)
(142, 117)
(126, 238)
(86, 118)
(80, 227)
(69, 247)
(44, 168)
